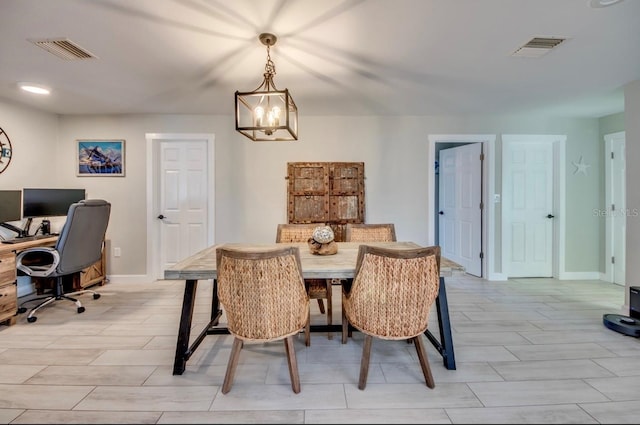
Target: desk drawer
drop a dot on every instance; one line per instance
(7, 268)
(8, 288)
(8, 301)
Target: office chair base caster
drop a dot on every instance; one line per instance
(80, 310)
(32, 319)
(22, 310)
(96, 296)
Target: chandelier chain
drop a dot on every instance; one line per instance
(269, 67)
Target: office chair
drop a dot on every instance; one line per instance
(78, 246)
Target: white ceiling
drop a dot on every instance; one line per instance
(337, 57)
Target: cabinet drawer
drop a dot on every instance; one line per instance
(8, 300)
(7, 268)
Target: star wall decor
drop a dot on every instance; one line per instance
(581, 166)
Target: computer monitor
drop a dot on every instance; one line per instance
(11, 209)
(49, 202)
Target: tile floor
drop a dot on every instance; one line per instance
(527, 351)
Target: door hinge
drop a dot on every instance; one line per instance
(481, 255)
(613, 260)
(482, 157)
(613, 207)
(612, 155)
(481, 205)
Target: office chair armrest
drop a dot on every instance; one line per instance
(38, 261)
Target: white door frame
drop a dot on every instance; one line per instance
(488, 189)
(153, 188)
(559, 198)
(610, 139)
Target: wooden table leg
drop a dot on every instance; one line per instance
(445, 345)
(215, 304)
(184, 330)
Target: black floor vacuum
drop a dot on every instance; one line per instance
(628, 325)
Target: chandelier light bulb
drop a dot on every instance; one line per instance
(259, 114)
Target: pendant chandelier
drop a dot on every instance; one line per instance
(267, 114)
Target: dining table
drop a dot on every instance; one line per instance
(338, 267)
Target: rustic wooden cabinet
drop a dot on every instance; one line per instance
(8, 288)
(92, 275)
(326, 192)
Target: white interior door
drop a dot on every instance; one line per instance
(183, 200)
(460, 202)
(616, 211)
(528, 213)
(180, 189)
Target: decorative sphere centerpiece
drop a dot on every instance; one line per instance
(323, 234)
(322, 242)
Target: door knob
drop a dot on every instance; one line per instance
(550, 215)
(441, 213)
(160, 216)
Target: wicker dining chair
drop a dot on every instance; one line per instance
(265, 300)
(367, 232)
(370, 232)
(391, 297)
(319, 289)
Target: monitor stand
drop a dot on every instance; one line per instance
(27, 225)
(21, 232)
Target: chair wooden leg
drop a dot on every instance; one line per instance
(345, 324)
(321, 305)
(424, 361)
(307, 330)
(293, 364)
(231, 367)
(364, 363)
(329, 307)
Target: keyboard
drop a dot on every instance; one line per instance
(27, 239)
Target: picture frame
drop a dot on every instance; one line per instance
(100, 157)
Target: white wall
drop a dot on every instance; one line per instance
(632, 146)
(34, 142)
(250, 176)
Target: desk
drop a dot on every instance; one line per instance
(92, 275)
(19, 246)
(8, 276)
(202, 265)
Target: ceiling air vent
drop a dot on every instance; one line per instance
(538, 46)
(63, 48)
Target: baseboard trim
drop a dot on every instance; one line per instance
(130, 278)
(579, 276)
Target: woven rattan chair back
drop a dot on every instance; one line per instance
(293, 232)
(391, 298)
(264, 298)
(365, 232)
(318, 289)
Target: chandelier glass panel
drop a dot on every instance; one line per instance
(266, 113)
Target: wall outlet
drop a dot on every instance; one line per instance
(116, 252)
